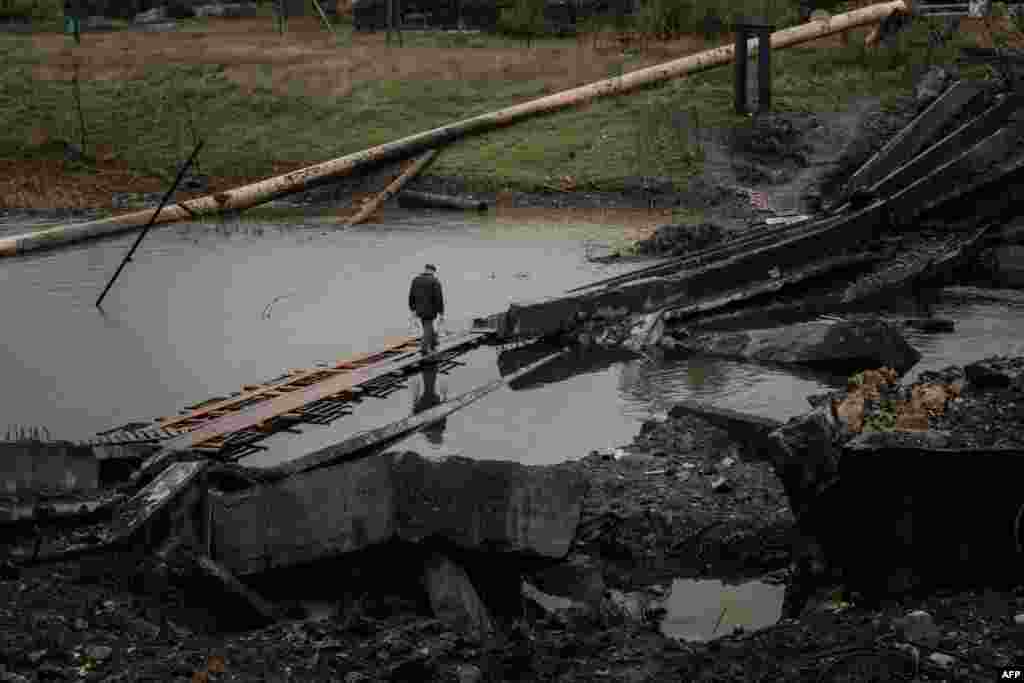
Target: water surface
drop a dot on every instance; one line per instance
(207, 308)
(701, 610)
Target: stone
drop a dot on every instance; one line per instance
(847, 345)
(918, 627)
(99, 652)
(152, 16)
(468, 673)
(98, 23)
(497, 506)
(454, 599)
(941, 660)
(721, 485)
(996, 372)
(232, 10)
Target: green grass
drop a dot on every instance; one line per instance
(598, 145)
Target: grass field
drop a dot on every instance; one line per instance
(267, 104)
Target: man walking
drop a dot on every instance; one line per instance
(427, 303)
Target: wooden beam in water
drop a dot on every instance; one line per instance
(396, 430)
(291, 402)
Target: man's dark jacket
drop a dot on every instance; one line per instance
(425, 298)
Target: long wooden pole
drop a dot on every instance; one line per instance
(266, 190)
(138, 240)
(392, 189)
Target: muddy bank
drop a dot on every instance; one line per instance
(684, 499)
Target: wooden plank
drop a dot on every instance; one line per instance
(915, 135)
(207, 408)
(272, 408)
(950, 147)
(399, 429)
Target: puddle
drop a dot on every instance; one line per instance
(701, 610)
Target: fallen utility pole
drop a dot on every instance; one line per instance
(392, 189)
(142, 235)
(263, 191)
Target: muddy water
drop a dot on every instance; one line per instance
(701, 610)
(983, 328)
(206, 308)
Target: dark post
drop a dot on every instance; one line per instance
(741, 67)
(142, 234)
(745, 29)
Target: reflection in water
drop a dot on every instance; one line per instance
(775, 392)
(426, 396)
(703, 610)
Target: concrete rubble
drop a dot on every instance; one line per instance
(846, 344)
(500, 507)
(829, 457)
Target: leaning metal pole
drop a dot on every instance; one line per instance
(398, 150)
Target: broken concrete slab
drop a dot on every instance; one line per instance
(177, 490)
(46, 468)
(454, 599)
(805, 456)
(751, 430)
(475, 504)
(911, 519)
(764, 262)
(840, 344)
(996, 372)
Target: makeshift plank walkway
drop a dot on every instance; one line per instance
(199, 414)
(234, 434)
(396, 430)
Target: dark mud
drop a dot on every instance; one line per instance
(657, 509)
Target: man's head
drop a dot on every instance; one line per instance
(430, 268)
